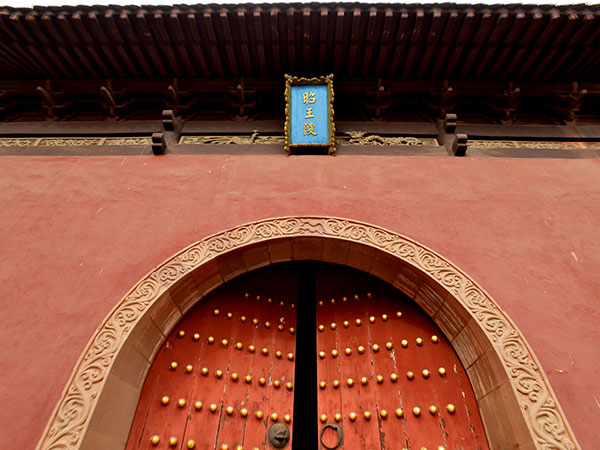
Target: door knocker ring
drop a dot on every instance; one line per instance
(340, 433)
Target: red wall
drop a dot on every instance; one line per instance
(78, 232)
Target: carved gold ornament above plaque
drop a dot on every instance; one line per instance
(534, 144)
(74, 141)
(534, 404)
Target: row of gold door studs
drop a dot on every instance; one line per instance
(251, 348)
(230, 410)
(344, 299)
(264, 351)
(358, 322)
(234, 376)
(155, 440)
(375, 347)
(267, 324)
(269, 300)
(379, 378)
(383, 414)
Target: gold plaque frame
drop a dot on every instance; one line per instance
(296, 81)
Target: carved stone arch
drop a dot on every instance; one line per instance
(517, 404)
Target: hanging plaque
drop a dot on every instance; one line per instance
(309, 113)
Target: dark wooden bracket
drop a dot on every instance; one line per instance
(440, 101)
(449, 124)
(375, 105)
(7, 105)
(53, 100)
(240, 101)
(455, 143)
(110, 95)
(502, 106)
(459, 145)
(169, 134)
(179, 99)
(566, 106)
(159, 144)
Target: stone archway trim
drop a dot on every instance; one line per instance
(515, 398)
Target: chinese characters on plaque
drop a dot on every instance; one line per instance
(309, 113)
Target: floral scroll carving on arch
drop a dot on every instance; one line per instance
(541, 414)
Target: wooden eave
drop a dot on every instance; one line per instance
(428, 42)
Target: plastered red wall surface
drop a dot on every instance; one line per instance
(77, 233)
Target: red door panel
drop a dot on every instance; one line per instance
(226, 372)
(409, 389)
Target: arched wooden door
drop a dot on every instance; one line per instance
(365, 367)
(386, 374)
